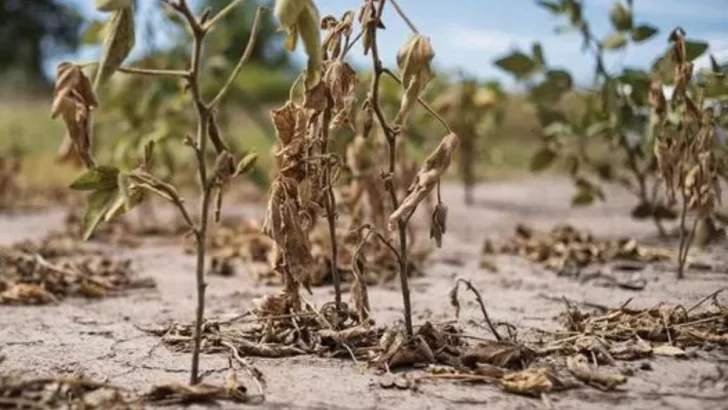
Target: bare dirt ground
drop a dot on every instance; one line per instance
(100, 338)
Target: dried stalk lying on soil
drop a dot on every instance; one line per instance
(70, 392)
(588, 351)
(565, 248)
(57, 268)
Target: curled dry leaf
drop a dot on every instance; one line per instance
(579, 366)
(532, 382)
(178, 393)
(426, 179)
(340, 79)
(438, 223)
(502, 354)
(413, 59)
(73, 100)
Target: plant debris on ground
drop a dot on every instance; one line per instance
(81, 393)
(56, 268)
(590, 350)
(565, 249)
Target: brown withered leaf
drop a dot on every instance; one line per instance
(503, 354)
(285, 120)
(532, 382)
(340, 79)
(579, 366)
(178, 393)
(438, 223)
(73, 100)
(426, 179)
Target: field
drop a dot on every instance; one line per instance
(102, 339)
(215, 226)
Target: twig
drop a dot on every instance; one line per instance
(244, 58)
(705, 299)
(391, 142)
(482, 307)
(154, 72)
(221, 14)
(253, 373)
(424, 104)
(404, 16)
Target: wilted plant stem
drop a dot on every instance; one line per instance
(391, 142)
(203, 113)
(330, 204)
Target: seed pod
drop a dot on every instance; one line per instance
(438, 224)
(365, 119)
(308, 28)
(287, 11)
(112, 5)
(414, 58)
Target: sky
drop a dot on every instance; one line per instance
(471, 34)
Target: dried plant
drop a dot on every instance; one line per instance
(612, 116)
(307, 169)
(686, 146)
(115, 191)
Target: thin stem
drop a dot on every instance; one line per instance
(203, 114)
(421, 101)
(391, 142)
(246, 55)
(404, 16)
(330, 202)
(482, 307)
(682, 247)
(220, 15)
(153, 72)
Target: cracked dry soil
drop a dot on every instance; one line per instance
(102, 340)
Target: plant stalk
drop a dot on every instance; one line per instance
(391, 142)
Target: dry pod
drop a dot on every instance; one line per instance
(429, 174)
(438, 224)
(414, 60)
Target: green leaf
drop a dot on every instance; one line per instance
(582, 197)
(537, 51)
(113, 5)
(246, 164)
(586, 193)
(93, 32)
(518, 64)
(621, 17)
(552, 6)
(558, 129)
(117, 45)
(614, 41)
(100, 202)
(548, 116)
(695, 49)
(557, 82)
(542, 159)
(597, 129)
(644, 32)
(95, 179)
(715, 67)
